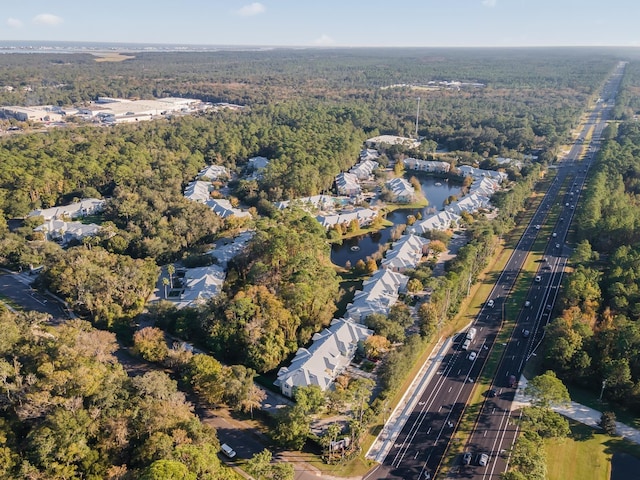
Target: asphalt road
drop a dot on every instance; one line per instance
(496, 426)
(424, 439)
(13, 287)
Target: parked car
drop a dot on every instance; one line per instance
(227, 450)
(466, 458)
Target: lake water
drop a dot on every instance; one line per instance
(358, 248)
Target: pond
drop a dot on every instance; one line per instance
(436, 190)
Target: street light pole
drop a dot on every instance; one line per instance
(604, 384)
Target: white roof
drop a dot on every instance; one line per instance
(485, 186)
(198, 191)
(225, 251)
(470, 203)
(347, 183)
(400, 188)
(378, 294)
(439, 221)
(213, 172)
(362, 215)
(469, 171)
(73, 210)
(369, 154)
(258, 163)
(202, 283)
(68, 229)
(406, 252)
(224, 209)
(329, 354)
(392, 140)
(364, 169)
(426, 165)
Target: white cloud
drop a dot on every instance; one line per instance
(13, 23)
(489, 3)
(324, 40)
(255, 8)
(47, 19)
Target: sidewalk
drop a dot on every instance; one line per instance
(579, 413)
(387, 436)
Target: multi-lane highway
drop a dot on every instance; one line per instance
(419, 448)
(496, 427)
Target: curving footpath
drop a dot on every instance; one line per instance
(579, 413)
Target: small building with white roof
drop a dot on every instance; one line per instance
(379, 293)
(201, 284)
(429, 166)
(198, 191)
(213, 172)
(83, 208)
(327, 357)
(347, 184)
(364, 216)
(223, 208)
(401, 190)
(364, 170)
(439, 221)
(405, 253)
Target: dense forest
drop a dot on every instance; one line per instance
(69, 410)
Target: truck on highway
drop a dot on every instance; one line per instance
(471, 333)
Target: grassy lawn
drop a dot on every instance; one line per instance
(585, 455)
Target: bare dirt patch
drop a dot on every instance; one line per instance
(112, 57)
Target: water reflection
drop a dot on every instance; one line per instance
(436, 190)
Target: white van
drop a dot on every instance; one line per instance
(471, 333)
(227, 450)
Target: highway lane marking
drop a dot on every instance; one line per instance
(439, 382)
(33, 295)
(424, 411)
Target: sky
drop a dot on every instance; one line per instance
(327, 23)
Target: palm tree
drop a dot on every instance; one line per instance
(165, 282)
(171, 269)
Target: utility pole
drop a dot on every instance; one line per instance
(417, 116)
